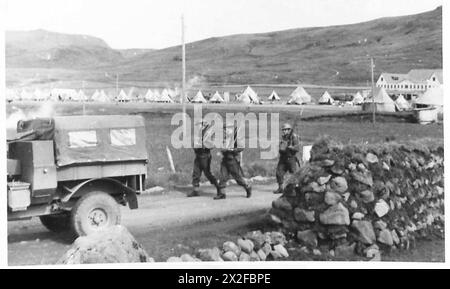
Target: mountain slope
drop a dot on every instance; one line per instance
(324, 55)
(331, 55)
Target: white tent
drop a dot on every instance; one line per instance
(82, 96)
(216, 98)
(249, 96)
(64, 94)
(164, 97)
(432, 96)
(199, 98)
(123, 97)
(402, 103)
(25, 95)
(274, 96)
(95, 95)
(383, 102)
(38, 95)
(103, 97)
(226, 96)
(358, 98)
(299, 96)
(326, 98)
(149, 96)
(156, 95)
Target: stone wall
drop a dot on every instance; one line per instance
(364, 199)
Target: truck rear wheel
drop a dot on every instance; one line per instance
(56, 223)
(93, 212)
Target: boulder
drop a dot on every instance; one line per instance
(345, 251)
(358, 216)
(246, 245)
(254, 256)
(339, 184)
(210, 254)
(258, 239)
(308, 238)
(301, 215)
(381, 208)
(335, 215)
(395, 237)
(113, 245)
(244, 257)
(281, 250)
(371, 158)
(174, 259)
(364, 232)
(332, 198)
(276, 238)
(385, 237)
(232, 247)
(380, 225)
(266, 249)
(188, 258)
(363, 178)
(323, 180)
(372, 251)
(367, 196)
(230, 256)
(262, 255)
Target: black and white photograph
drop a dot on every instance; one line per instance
(223, 134)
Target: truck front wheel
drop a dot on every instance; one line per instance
(93, 212)
(56, 223)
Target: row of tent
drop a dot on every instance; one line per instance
(383, 102)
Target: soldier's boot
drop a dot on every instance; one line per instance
(279, 190)
(248, 190)
(194, 192)
(220, 194)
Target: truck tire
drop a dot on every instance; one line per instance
(93, 212)
(56, 223)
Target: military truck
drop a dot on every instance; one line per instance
(74, 172)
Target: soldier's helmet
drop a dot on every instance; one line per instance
(286, 126)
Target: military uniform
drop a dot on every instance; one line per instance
(288, 162)
(202, 164)
(230, 166)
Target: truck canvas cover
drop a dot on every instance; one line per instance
(90, 139)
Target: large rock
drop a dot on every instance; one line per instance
(113, 245)
(280, 251)
(258, 239)
(335, 215)
(232, 247)
(301, 215)
(307, 237)
(246, 245)
(367, 196)
(332, 198)
(210, 254)
(276, 238)
(371, 158)
(229, 256)
(385, 237)
(323, 180)
(339, 184)
(365, 232)
(381, 208)
(345, 251)
(363, 178)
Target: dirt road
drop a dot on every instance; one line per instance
(165, 224)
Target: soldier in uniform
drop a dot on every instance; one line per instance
(288, 162)
(230, 165)
(202, 163)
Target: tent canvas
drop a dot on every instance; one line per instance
(226, 96)
(82, 96)
(274, 96)
(326, 98)
(299, 96)
(382, 101)
(199, 98)
(122, 96)
(358, 98)
(149, 96)
(249, 96)
(381, 96)
(432, 96)
(402, 103)
(216, 98)
(164, 97)
(103, 97)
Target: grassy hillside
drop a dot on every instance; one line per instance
(337, 55)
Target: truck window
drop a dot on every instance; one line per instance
(123, 137)
(82, 139)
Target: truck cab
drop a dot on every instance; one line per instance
(73, 172)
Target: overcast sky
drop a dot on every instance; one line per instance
(156, 23)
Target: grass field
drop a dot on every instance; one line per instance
(159, 130)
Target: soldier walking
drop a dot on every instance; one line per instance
(288, 162)
(202, 163)
(230, 166)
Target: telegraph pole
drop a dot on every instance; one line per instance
(373, 91)
(183, 88)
